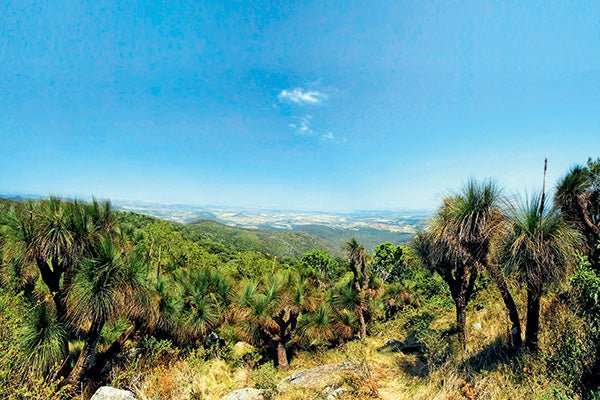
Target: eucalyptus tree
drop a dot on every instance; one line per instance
(578, 198)
(387, 261)
(319, 268)
(540, 248)
(268, 311)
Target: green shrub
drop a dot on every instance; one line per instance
(265, 377)
(435, 343)
(573, 352)
(155, 350)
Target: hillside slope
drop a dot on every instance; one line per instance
(280, 243)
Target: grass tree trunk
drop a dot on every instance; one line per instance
(461, 319)
(282, 359)
(114, 349)
(461, 289)
(515, 331)
(362, 324)
(87, 357)
(533, 318)
(52, 278)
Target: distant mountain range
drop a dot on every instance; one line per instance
(369, 227)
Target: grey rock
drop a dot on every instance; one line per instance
(318, 377)
(245, 394)
(111, 393)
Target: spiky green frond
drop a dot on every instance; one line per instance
(104, 285)
(43, 339)
(318, 326)
(539, 247)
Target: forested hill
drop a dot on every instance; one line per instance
(280, 243)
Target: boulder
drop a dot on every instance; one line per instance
(245, 394)
(111, 393)
(318, 377)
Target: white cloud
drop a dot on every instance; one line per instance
(301, 96)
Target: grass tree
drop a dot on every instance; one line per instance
(458, 274)
(578, 198)
(86, 278)
(269, 310)
(320, 326)
(361, 282)
(205, 298)
(471, 222)
(539, 247)
(103, 288)
(53, 235)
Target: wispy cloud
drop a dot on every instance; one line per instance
(300, 96)
(328, 136)
(303, 125)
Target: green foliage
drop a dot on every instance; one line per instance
(388, 261)
(43, 338)
(273, 243)
(435, 343)
(585, 302)
(585, 289)
(250, 265)
(424, 285)
(318, 266)
(153, 349)
(265, 376)
(17, 379)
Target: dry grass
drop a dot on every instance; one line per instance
(483, 370)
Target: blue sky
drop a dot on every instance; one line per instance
(308, 105)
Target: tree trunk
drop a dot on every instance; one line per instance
(87, 357)
(362, 324)
(515, 331)
(533, 318)
(282, 360)
(114, 349)
(461, 320)
(51, 278)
